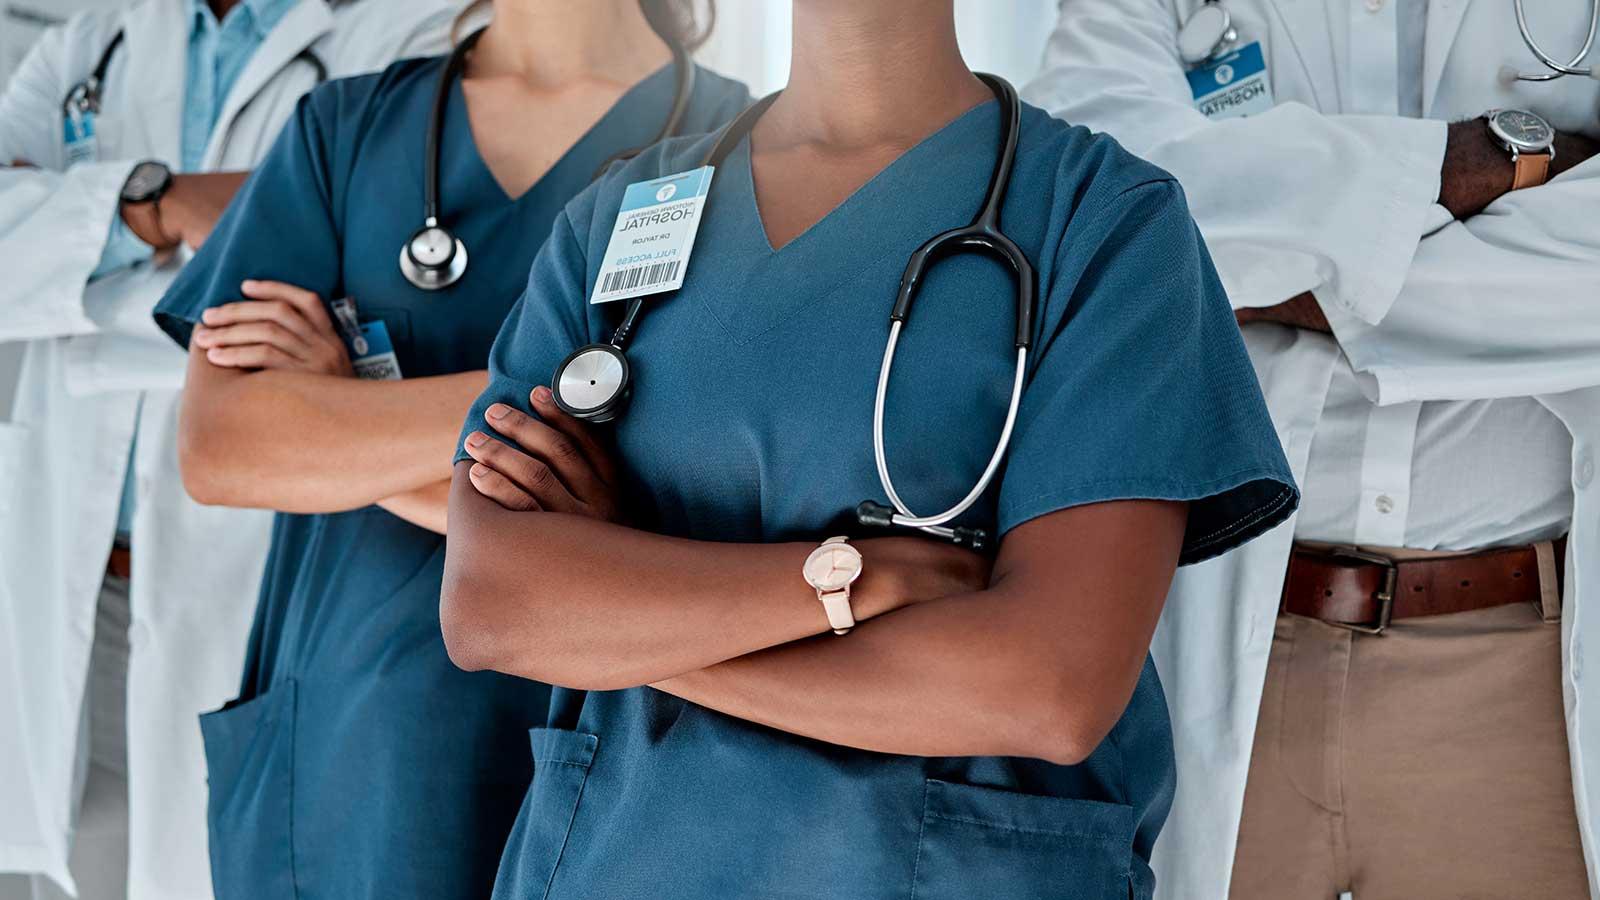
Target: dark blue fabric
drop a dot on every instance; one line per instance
(751, 421)
(358, 762)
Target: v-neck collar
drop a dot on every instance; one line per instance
(866, 189)
(644, 105)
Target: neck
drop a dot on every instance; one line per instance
(872, 72)
(220, 8)
(550, 43)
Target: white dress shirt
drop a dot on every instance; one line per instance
(1437, 475)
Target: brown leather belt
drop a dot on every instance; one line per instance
(120, 562)
(1365, 591)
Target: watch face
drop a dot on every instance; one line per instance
(832, 567)
(432, 247)
(147, 180)
(1522, 129)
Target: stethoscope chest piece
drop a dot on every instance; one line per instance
(1206, 34)
(433, 258)
(593, 383)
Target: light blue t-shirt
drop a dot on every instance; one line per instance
(218, 53)
(751, 421)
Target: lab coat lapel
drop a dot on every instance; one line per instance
(1444, 22)
(150, 85)
(1306, 23)
(299, 28)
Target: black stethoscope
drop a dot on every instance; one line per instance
(84, 97)
(433, 258)
(594, 382)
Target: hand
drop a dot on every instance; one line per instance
(280, 327)
(187, 212)
(550, 463)
(1300, 311)
(899, 571)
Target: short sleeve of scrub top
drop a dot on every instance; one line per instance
(280, 227)
(751, 420)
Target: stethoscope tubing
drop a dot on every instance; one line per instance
(1557, 68)
(905, 516)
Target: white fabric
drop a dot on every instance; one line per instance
(95, 358)
(1393, 476)
(1317, 194)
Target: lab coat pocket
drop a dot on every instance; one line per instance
(250, 767)
(560, 768)
(985, 842)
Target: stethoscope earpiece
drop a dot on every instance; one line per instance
(593, 383)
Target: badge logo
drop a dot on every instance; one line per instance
(1224, 73)
(667, 192)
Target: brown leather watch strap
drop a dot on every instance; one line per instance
(1366, 592)
(1532, 170)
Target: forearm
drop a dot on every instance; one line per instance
(971, 675)
(426, 507)
(591, 604)
(298, 442)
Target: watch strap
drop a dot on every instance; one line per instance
(837, 605)
(1532, 170)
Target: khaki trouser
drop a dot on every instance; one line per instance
(1428, 762)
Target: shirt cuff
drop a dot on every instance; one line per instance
(1399, 224)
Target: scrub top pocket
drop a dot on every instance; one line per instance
(561, 761)
(250, 764)
(979, 841)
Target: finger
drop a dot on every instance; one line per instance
(251, 356)
(577, 431)
(541, 441)
(307, 302)
(498, 488)
(277, 311)
(529, 474)
(253, 333)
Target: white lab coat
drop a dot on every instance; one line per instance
(95, 363)
(1308, 197)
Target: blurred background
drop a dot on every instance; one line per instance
(751, 43)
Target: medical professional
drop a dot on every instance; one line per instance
(958, 733)
(110, 126)
(1383, 168)
(386, 236)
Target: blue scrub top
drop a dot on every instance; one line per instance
(751, 421)
(357, 761)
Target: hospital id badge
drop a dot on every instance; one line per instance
(78, 132)
(653, 237)
(371, 351)
(1235, 85)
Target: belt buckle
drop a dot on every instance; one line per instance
(1385, 596)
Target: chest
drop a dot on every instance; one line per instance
(380, 205)
(752, 411)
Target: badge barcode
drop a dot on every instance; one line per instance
(639, 276)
